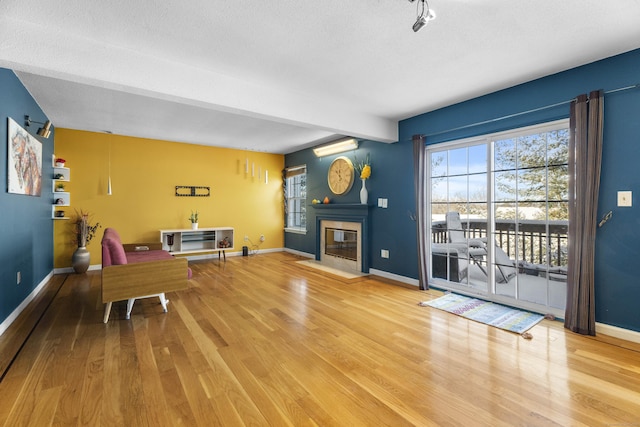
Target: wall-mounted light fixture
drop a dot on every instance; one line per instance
(335, 147)
(44, 131)
(425, 14)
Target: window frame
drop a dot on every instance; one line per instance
(291, 174)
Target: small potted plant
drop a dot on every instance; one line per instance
(194, 220)
(59, 186)
(60, 162)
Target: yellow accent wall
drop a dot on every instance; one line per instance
(144, 174)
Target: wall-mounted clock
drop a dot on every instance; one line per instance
(341, 175)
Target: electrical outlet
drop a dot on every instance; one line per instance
(246, 238)
(384, 253)
(262, 237)
(624, 198)
(18, 278)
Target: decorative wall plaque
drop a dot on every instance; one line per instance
(192, 191)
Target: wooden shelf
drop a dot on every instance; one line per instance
(64, 196)
(334, 206)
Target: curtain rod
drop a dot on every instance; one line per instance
(620, 89)
(535, 110)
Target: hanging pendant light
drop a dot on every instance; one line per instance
(109, 192)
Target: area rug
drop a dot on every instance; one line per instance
(500, 316)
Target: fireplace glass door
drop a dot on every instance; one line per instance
(341, 243)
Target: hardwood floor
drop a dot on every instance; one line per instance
(262, 341)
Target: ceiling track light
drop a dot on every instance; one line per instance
(425, 14)
(44, 131)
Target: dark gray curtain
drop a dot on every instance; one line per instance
(585, 155)
(423, 234)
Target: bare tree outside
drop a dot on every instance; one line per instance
(534, 171)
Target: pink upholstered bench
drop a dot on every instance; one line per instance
(135, 271)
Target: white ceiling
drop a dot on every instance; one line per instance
(278, 76)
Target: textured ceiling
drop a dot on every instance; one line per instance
(283, 75)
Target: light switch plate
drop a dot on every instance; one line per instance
(624, 198)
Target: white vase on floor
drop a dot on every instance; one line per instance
(364, 194)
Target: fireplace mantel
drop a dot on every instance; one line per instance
(340, 205)
(352, 208)
(348, 212)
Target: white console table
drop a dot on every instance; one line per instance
(188, 241)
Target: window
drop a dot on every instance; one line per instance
(295, 199)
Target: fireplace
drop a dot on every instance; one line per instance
(341, 245)
(342, 236)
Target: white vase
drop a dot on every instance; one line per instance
(364, 194)
(194, 225)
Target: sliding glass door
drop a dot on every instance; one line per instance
(499, 216)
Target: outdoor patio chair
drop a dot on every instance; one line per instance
(477, 249)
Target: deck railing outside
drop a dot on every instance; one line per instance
(524, 240)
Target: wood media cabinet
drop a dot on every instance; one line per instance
(189, 241)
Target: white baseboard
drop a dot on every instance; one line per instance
(616, 332)
(67, 270)
(299, 253)
(396, 277)
(263, 251)
(14, 315)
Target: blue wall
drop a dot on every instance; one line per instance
(617, 248)
(26, 235)
(391, 178)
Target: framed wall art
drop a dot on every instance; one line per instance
(24, 169)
